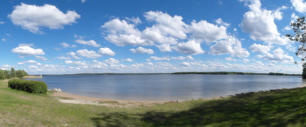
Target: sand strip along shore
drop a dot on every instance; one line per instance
(76, 99)
(33, 77)
(64, 97)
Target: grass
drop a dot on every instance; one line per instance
(18, 108)
(277, 108)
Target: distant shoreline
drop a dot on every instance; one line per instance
(179, 73)
(237, 73)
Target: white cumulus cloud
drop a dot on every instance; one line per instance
(25, 50)
(121, 33)
(5, 67)
(264, 49)
(299, 5)
(111, 61)
(167, 58)
(32, 17)
(92, 43)
(276, 55)
(168, 33)
(219, 21)
(41, 58)
(128, 60)
(231, 46)
(207, 31)
(191, 47)
(30, 62)
(88, 53)
(166, 24)
(65, 45)
(73, 55)
(260, 23)
(106, 51)
(142, 50)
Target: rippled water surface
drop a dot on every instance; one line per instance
(167, 86)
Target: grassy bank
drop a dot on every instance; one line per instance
(18, 108)
(274, 108)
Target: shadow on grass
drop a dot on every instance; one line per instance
(116, 119)
(277, 108)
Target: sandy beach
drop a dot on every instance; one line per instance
(65, 97)
(69, 98)
(33, 77)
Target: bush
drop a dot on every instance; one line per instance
(28, 86)
(304, 73)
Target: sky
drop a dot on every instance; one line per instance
(137, 36)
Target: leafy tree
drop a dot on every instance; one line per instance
(21, 73)
(304, 71)
(299, 35)
(7, 74)
(2, 76)
(13, 73)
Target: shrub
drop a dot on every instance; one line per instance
(304, 73)
(28, 86)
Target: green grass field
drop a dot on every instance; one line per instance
(267, 109)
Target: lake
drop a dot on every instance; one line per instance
(167, 86)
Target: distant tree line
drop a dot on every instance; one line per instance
(236, 73)
(7, 74)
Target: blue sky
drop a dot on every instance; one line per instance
(75, 36)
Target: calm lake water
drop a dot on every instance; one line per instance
(167, 86)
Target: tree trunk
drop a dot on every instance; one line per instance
(304, 73)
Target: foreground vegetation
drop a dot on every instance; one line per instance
(7, 74)
(275, 108)
(28, 86)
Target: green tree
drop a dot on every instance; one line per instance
(304, 71)
(13, 73)
(2, 76)
(21, 73)
(299, 35)
(7, 74)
